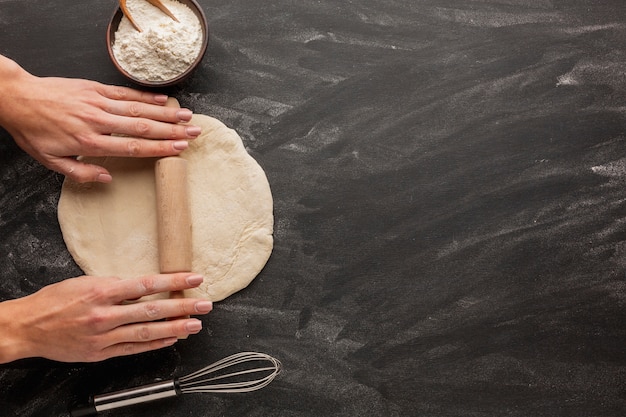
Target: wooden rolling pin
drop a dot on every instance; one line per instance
(174, 217)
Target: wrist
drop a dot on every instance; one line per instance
(12, 343)
(12, 77)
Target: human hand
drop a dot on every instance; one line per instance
(56, 119)
(88, 319)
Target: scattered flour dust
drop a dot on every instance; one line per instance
(165, 48)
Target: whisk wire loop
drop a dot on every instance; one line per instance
(196, 383)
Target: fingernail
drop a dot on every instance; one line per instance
(193, 326)
(105, 178)
(193, 130)
(184, 115)
(181, 145)
(204, 306)
(160, 98)
(195, 280)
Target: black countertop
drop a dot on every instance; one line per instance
(450, 211)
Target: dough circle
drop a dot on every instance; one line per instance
(111, 229)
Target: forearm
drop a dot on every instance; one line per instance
(12, 344)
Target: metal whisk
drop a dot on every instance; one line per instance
(225, 376)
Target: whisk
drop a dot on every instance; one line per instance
(224, 376)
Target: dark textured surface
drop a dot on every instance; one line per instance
(449, 195)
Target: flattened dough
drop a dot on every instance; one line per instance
(111, 229)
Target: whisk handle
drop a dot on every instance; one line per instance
(83, 410)
(118, 399)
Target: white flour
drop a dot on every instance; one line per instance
(165, 48)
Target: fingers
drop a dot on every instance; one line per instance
(130, 289)
(116, 146)
(147, 311)
(149, 111)
(124, 93)
(136, 328)
(126, 329)
(126, 349)
(151, 331)
(143, 114)
(133, 118)
(138, 338)
(80, 171)
(150, 129)
(134, 147)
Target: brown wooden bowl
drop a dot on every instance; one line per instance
(114, 24)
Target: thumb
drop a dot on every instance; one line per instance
(81, 172)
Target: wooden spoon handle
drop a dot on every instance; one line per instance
(163, 8)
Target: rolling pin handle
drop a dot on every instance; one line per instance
(174, 215)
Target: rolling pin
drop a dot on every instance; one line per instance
(173, 217)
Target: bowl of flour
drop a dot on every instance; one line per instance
(165, 52)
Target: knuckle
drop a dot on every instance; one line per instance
(179, 328)
(125, 349)
(97, 320)
(79, 178)
(151, 310)
(141, 127)
(175, 132)
(107, 107)
(143, 333)
(93, 351)
(183, 309)
(71, 171)
(134, 147)
(99, 294)
(148, 284)
(92, 116)
(135, 109)
(164, 147)
(87, 141)
(109, 125)
(119, 93)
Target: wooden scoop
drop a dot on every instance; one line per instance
(156, 3)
